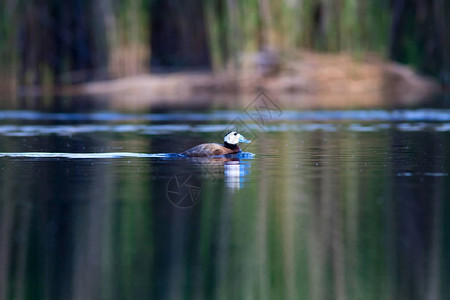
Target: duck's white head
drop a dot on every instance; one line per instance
(233, 138)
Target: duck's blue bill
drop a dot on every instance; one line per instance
(244, 140)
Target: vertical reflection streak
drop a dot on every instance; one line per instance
(263, 271)
(7, 214)
(223, 248)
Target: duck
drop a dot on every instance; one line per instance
(230, 146)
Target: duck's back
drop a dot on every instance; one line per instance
(209, 150)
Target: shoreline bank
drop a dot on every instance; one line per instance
(314, 81)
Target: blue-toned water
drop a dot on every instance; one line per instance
(321, 205)
(399, 115)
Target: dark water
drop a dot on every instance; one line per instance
(333, 205)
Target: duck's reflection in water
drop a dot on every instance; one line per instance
(235, 174)
(233, 170)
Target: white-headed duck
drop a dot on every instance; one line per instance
(229, 146)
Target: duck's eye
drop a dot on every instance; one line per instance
(235, 133)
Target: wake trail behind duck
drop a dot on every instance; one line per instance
(87, 155)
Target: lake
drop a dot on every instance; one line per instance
(322, 205)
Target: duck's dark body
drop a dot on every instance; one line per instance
(211, 149)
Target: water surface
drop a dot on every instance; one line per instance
(333, 205)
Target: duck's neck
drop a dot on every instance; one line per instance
(231, 146)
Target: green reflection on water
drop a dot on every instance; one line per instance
(318, 215)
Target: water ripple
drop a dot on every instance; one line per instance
(85, 155)
(68, 130)
(402, 115)
(426, 174)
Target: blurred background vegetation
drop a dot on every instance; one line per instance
(54, 42)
